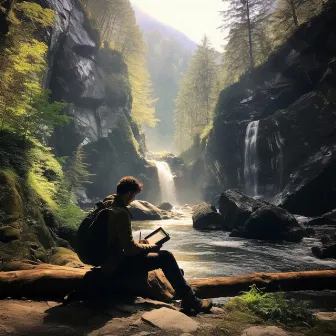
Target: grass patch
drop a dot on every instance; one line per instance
(257, 308)
(238, 318)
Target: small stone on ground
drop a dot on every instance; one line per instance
(168, 319)
(264, 331)
(144, 333)
(326, 316)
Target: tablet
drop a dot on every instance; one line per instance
(159, 237)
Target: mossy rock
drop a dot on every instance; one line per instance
(8, 233)
(39, 254)
(64, 257)
(11, 203)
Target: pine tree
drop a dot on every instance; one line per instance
(289, 14)
(197, 95)
(78, 173)
(246, 17)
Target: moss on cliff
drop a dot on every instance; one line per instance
(34, 202)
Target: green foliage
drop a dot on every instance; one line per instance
(45, 175)
(197, 96)
(237, 319)
(40, 116)
(70, 215)
(24, 104)
(276, 307)
(258, 308)
(33, 13)
(257, 28)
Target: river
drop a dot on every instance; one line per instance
(215, 254)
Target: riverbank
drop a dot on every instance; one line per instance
(248, 315)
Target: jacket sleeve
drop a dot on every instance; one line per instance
(125, 237)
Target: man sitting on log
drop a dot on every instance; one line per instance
(130, 256)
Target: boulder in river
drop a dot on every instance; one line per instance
(328, 249)
(142, 210)
(270, 222)
(165, 206)
(327, 219)
(206, 217)
(236, 208)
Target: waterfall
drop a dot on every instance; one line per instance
(251, 159)
(167, 184)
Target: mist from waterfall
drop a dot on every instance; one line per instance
(251, 159)
(279, 159)
(167, 183)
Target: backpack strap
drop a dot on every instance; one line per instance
(100, 205)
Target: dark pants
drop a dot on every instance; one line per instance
(155, 260)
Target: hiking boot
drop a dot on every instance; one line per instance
(191, 303)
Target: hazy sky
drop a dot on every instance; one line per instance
(192, 17)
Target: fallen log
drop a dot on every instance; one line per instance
(270, 282)
(49, 281)
(46, 281)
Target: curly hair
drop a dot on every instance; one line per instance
(129, 183)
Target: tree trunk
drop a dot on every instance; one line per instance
(294, 15)
(249, 28)
(270, 282)
(49, 281)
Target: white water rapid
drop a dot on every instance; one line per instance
(251, 159)
(167, 184)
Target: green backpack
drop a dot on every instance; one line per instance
(92, 237)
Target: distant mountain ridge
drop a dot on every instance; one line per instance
(147, 24)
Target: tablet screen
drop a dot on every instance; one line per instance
(156, 237)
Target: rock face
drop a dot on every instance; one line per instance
(328, 249)
(206, 217)
(95, 84)
(311, 191)
(271, 223)
(293, 97)
(236, 208)
(326, 219)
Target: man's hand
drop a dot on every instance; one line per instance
(143, 241)
(155, 247)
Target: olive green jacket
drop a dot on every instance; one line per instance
(120, 236)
